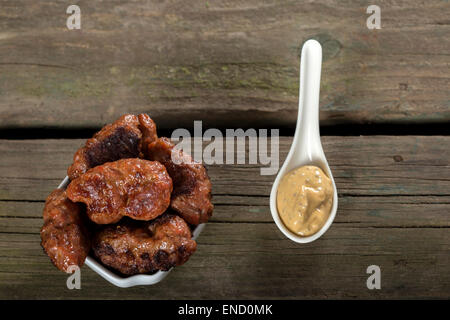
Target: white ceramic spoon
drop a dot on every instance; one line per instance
(306, 147)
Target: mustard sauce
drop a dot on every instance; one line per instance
(304, 200)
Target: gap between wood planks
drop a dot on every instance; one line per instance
(422, 129)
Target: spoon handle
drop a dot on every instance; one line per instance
(307, 133)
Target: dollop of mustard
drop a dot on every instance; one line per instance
(304, 200)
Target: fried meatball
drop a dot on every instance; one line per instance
(133, 248)
(191, 196)
(64, 238)
(148, 130)
(137, 188)
(122, 139)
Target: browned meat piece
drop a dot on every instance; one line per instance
(148, 129)
(113, 142)
(136, 188)
(191, 196)
(64, 238)
(119, 140)
(133, 248)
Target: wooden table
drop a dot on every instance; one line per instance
(235, 65)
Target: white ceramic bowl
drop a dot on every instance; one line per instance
(125, 282)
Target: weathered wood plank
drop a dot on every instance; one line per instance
(392, 211)
(370, 166)
(239, 59)
(255, 261)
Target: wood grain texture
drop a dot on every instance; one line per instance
(369, 166)
(394, 211)
(220, 62)
(376, 212)
(254, 260)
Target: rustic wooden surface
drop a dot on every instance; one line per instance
(233, 59)
(394, 204)
(235, 64)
